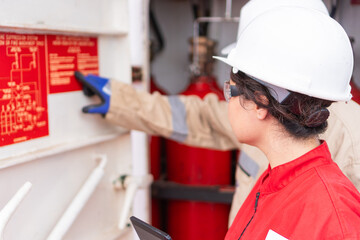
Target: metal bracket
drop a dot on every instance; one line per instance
(171, 190)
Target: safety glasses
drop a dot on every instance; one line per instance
(230, 91)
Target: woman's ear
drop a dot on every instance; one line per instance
(261, 112)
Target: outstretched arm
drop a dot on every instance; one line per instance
(186, 119)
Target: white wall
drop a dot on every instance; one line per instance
(58, 165)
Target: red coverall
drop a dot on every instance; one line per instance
(307, 198)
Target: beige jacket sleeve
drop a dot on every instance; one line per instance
(190, 120)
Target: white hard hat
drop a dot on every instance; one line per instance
(254, 8)
(298, 49)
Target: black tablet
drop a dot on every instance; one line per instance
(147, 232)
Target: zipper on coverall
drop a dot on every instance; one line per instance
(256, 204)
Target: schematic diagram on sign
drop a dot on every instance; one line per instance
(23, 90)
(32, 67)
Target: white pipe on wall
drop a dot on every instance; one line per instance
(131, 184)
(79, 201)
(138, 12)
(11, 206)
(228, 9)
(136, 32)
(129, 198)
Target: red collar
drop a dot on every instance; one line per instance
(275, 179)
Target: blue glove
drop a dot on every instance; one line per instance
(95, 85)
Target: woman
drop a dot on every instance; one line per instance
(289, 65)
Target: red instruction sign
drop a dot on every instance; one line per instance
(32, 66)
(67, 54)
(23, 88)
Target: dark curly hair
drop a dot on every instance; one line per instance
(301, 115)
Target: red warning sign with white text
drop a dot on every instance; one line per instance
(67, 54)
(23, 88)
(33, 66)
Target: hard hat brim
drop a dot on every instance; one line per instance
(223, 59)
(226, 50)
